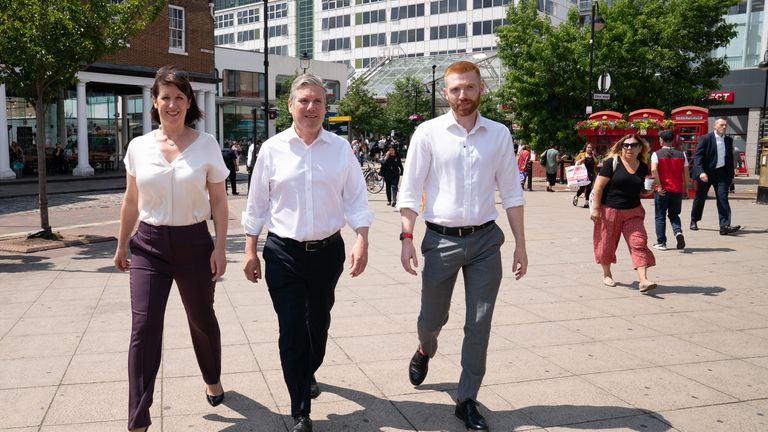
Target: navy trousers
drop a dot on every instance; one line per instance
(721, 182)
(302, 286)
(160, 255)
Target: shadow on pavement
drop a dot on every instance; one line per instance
(690, 250)
(23, 263)
(255, 416)
(672, 289)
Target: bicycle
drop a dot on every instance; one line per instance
(373, 181)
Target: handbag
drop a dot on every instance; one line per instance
(577, 175)
(543, 160)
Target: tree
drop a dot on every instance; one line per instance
(362, 106)
(657, 52)
(284, 120)
(490, 107)
(45, 43)
(409, 98)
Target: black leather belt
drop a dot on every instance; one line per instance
(309, 246)
(458, 231)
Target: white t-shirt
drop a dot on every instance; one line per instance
(175, 193)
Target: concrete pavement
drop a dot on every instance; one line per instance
(567, 353)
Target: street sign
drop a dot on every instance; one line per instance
(604, 82)
(601, 96)
(340, 119)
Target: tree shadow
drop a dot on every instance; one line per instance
(23, 263)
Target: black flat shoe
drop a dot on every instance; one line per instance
(314, 389)
(214, 400)
(467, 412)
(302, 423)
(417, 369)
(729, 229)
(694, 226)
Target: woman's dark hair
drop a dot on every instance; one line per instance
(169, 75)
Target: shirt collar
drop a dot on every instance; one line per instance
(294, 137)
(450, 121)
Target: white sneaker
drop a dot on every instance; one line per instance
(660, 246)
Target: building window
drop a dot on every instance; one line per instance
(334, 4)
(336, 21)
(448, 31)
(371, 16)
(367, 1)
(279, 50)
(480, 4)
(404, 12)
(176, 40)
(486, 27)
(225, 20)
(224, 39)
(445, 6)
(743, 51)
(242, 84)
(404, 36)
(337, 44)
(365, 41)
(278, 10)
(248, 35)
(248, 16)
(279, 30)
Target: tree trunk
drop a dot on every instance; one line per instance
(40, 109)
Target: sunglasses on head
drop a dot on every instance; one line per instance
(627, 145)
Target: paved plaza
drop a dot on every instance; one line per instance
(566, 352)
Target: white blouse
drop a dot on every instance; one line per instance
(175, 193)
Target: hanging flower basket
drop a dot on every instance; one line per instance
(416, 118)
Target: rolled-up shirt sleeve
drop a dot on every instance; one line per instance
(508, 176)
(256, 210)
(355, 196)
(415, 172)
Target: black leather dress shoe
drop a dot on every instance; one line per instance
(214, 400)
(693, 226)
(417, 369)
(302, 424)
(314, 389)
(729, 229)
(467, 412)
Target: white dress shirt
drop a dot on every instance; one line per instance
(175, 193)
(459, 172)
(720, 141)
(306, 192)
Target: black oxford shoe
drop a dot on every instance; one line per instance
(467, 412)
(417, 369)
(729, 229)
(302, 424)
(693, 226)
(314, 389)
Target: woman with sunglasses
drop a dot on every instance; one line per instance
(617, 210)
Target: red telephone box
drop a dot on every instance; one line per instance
(690, 124)
(606, 132)
(647, 122)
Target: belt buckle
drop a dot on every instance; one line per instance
(312, 246)
(462, 232)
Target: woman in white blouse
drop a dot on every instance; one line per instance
(174, 184)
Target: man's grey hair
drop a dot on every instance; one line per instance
(307, 79)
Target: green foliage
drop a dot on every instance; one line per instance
(657, 52)
(489, 108)
(284, 119)
(409, 97)
(367, 114)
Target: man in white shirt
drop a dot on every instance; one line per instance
(457, 161)
(306, 186)
(713, 166)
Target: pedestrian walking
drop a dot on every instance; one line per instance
(230, 160)
(523, 160)
(550, 159)
(587, 158)
(174, 183)
(458, 161)
(670, 171)
(391, 170)
(713, 166)
(306, 186)
(616, 209)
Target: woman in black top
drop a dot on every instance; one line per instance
(616, 209)
(391, 170)
(586, 157)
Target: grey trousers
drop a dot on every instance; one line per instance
(478, 256)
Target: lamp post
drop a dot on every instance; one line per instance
(304, 62)
(596, 23)
(266, 72)
(762, 164)
(433, 90)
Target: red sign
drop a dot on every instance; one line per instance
(722, 96)
(741, 165)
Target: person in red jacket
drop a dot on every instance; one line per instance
(670, 171)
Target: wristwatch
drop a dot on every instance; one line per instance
(405, 235)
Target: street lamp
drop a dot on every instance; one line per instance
(596, 23)
(304, 62)
(266, 71)
(762, 187)
(433, 90)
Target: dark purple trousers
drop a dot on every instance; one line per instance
(161, 255)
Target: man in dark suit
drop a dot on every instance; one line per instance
(713, 166)
(230, 160)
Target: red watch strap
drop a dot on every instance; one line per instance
(406, 235)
